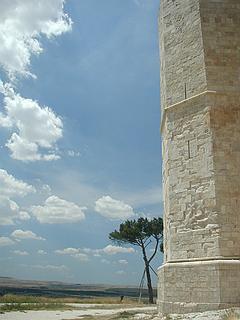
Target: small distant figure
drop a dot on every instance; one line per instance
(121, 299)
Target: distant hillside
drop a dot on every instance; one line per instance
(61, 289)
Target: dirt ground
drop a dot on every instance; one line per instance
(109, 312)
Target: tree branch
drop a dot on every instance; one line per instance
(145, 240)
(155, 250)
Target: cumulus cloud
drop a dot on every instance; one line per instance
(9, 211)
(23, 215)
(35, 129)
(11, 187)
(22, 23)
(42, 252)
(56, 210)
(110, 249)
(21, 253)
(24, 235)
(113, 209)
(5, 241)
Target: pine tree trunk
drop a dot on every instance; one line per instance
(149, 284)
(147, 269)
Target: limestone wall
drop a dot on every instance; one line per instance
(182, 54)
(225, 123)
(200, 46)
(220, 24)
(200, 65)
(191, 221)
(221, 38)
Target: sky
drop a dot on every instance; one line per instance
(80, 148)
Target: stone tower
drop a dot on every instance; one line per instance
(200, 84)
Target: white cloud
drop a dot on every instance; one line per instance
(21, 25)
(50, 267)
(122, 261)
(113, 209)
(5, 241)
(5, 122)
(35, 129)
(24, 216)
(110, 249)
(46, 189)
(83, 253)
(73, 252)
(81, 256)
(67, 251)
(23, 235)
(42, 252)
(73, 153)
(10, 186)
(9, 211)
(90, 251)
(56, 210)
(21, 253)
(24, 150)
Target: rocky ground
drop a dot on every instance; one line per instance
(104, 312)
(117, 312)
(226, 314)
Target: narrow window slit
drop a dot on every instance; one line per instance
(189, 151)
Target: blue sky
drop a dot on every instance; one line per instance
(79, 134)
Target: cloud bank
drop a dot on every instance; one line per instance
(83, 253)
(34, 129)
(22, 23)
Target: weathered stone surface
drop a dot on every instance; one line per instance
(200, 85)
(198, 286)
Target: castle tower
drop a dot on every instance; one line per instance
(200, 84)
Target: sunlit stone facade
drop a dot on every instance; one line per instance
(200, 89)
